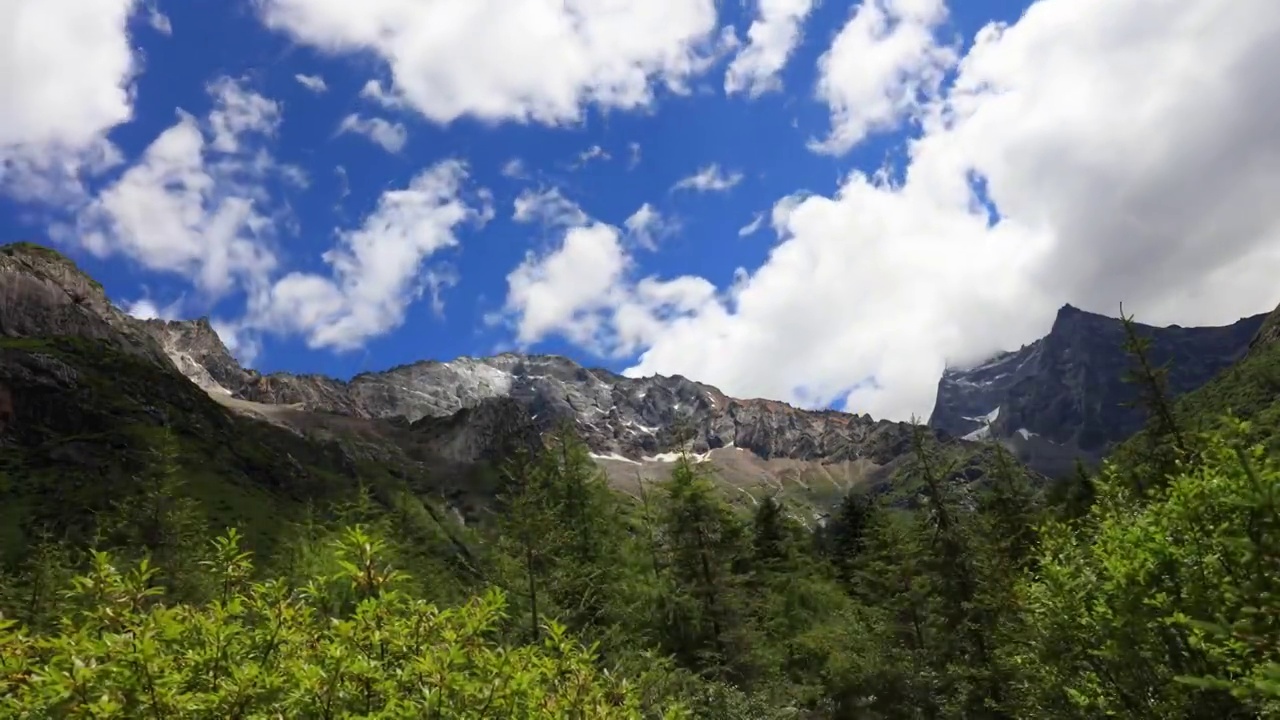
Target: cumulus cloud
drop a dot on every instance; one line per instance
(238, 112)
(548, 207)
(503, 60)
(1093, 152)
(192, 203)
(147, 309)
(314, 83)
(387, 135)
(378, 269)
(583, 288)
(709, 179)
(882, 65)
(560, 291)
(66, 76)
(772, 37)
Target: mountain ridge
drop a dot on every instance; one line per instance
(635, 426)
(1064, 396)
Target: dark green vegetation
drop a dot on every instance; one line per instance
(961, 591)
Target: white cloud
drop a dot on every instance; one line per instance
(647, 226)
(242, 342)
(388, 135)
(192, 206)
(514, 169)
(881, 66)
(158, 20)
(634, 160)
(374, 92)
(523, 60)
(583, 289)
(147, 309)
(751, 228)
(1165, 204)
(772, 36)
(66, 74)
(379, 269)
(314, 83)
(548, 207)
(595, 152)
(709, 179)
(560, 290)
(238, 112)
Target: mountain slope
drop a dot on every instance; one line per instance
(634, 426)
(438, 429)
(90, 407)
(89, 395)
(1064, 396)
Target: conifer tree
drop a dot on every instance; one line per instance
(702, 539)
(848, 534)
(1166, 444)
(161, 520)
(527, 531)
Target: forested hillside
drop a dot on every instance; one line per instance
(959, 587)
(1147, 592)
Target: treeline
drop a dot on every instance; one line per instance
(1146, 591)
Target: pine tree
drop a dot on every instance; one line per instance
(527, 531)
(161, 520)
(1009, 510)
(702, 539)
(1166, 445)
(964, 655)
(584, 512)
(1073, 496)
(848, 534)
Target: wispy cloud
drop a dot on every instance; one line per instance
(751, 228)
(709, 179)
(595, 152)
(514, 169)
(314, 83)
(390, 136)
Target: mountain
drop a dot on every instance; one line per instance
(91, 399)
(632, 425)
(1064, 395)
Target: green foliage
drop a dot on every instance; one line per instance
(265, 649)
(1170, 608)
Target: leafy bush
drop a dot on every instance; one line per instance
(350, 645)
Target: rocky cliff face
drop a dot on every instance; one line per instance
(630, 418)
(1065, 396)
(44, 294)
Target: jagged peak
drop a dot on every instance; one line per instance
(1069, 313)
(39, 258)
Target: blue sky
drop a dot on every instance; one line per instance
(944, 261)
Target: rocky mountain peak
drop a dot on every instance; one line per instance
(629, 419)
(197, 350)
(44, 293)
(1064, 396)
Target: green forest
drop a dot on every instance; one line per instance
(1147, 588)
